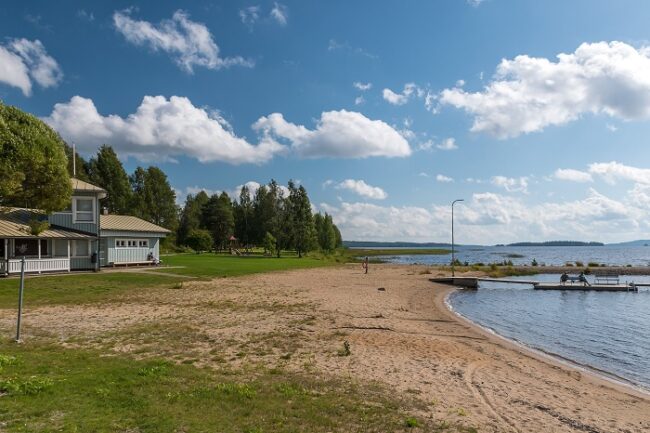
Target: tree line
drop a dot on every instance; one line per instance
(33, 161)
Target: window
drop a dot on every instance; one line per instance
(131, 243)
(26, 247)
(80, 248)
(84, 209)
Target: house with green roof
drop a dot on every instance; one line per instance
(81, 237)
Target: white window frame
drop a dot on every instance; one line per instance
(124, 243)
(74, 210)
(74, 251)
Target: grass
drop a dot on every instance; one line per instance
(210, 265)
(55, 389)
(78, 288)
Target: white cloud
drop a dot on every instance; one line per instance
(460, 83)
(342, 134)
(249, 15)
(410, 89)
(490, 218)
(447, 144)
(359, 100)
(160, 128)
(280, 13)
(362, 86)
(189, 43)
(444, 179)
(572, 175)
(475, 3)
(528, 94)
(23, 61)
(423, 174)
(363, 189)
(85, 15)
(613, 171)
(610, 127)
(511, 184)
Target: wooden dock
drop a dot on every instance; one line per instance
(473, 283)
(593, 287)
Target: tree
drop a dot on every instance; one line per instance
(263, 214)
(153, 198)
(107, 171)
(218, 218)
(200, 240)
(269, 243)
(279, 221)
(302, 233)
(243, 211)
(32, 163)
(339, 237)
(326, 233)
(191, 216)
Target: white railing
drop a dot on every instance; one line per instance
(40, 265)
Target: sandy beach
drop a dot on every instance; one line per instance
(401, 334)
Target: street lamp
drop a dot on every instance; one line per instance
(453, 249)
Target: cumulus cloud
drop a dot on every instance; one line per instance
(188, 43)
(528, 94)
(341, 134)
(23, 62)
(361, 188)
(511, 184)
(572, 175)
(334, 45)
(410, 89)
(160, 128)
(280, 13)
(614, 171)
(444, 179)
(362, 86)
(447, 144)
(359, 100)
(490, 218)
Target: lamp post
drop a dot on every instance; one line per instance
(453, 249)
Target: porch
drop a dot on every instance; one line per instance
(43, 255)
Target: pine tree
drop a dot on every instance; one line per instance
(153, 198)
(218, 218)
(190, 219)
(243, 211)
(107, 171)
(302, 232)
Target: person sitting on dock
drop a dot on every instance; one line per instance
(564, 278)
(583, 279)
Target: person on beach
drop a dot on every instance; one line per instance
(564, 278)
(364, 265)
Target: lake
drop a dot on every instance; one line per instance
(605, 330)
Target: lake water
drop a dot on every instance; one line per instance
(609, 331)
(621, 256)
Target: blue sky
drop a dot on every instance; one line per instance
(385, 111)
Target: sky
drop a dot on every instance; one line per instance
(536, 114)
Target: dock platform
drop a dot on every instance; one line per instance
(591, 288)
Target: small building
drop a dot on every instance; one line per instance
(78, 238)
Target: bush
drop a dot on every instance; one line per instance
(534, 263)
(568, 264)
(579, 264)
(593, 264)
(200, 240)
(411, 422)
(269, 243)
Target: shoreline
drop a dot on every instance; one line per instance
(550, 357)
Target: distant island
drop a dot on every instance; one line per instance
(557, 244)
(373, 244)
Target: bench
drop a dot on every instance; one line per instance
(606, 278)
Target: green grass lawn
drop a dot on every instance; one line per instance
(45, 388)
(221, 265)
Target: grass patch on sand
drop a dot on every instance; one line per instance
(47, 388)
(79, 288)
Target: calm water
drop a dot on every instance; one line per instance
(608, 331)
(636, 256)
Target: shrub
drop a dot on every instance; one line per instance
(200, 240)
(568, 264)
(411, 422)
(534, 263)
(593, 264)
(579, 264)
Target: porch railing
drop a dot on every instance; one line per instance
(39, 265)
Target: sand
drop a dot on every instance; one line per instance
(400, 331)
